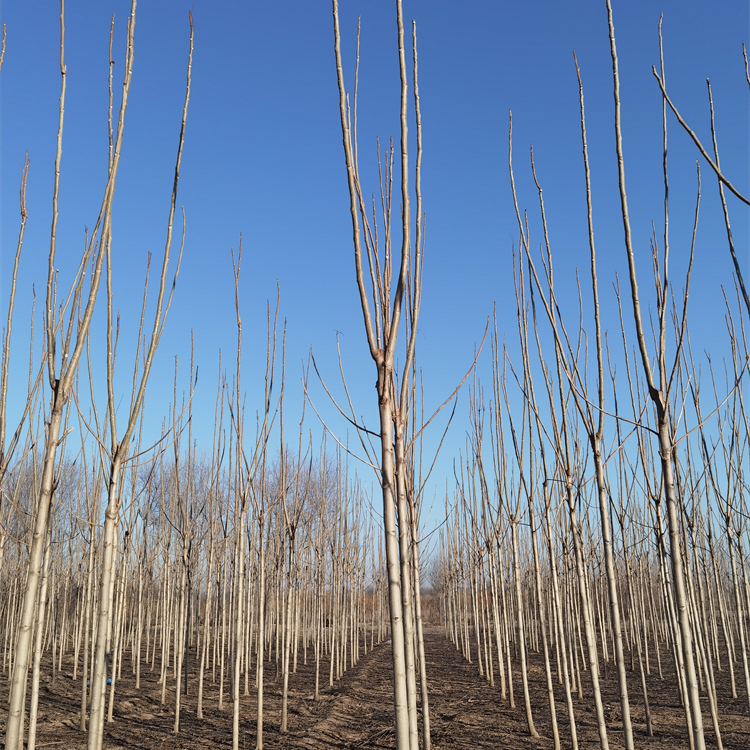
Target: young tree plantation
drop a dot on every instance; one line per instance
(533, 531)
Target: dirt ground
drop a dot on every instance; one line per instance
(465, 712)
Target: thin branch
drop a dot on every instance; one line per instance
(457, 389)
(697, 142)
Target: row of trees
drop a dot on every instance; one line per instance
(186, 590)
(523, 559)
(117, 553)
(115, 546)
(644, 448)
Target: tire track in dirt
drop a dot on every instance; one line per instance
(465, 712)
(361, 707)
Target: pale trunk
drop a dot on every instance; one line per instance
(101, 652)
(14, 729)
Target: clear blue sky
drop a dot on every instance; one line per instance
(263, 157)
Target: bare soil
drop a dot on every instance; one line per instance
(357, 711)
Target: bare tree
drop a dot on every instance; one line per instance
(659, 390)
(78, 306)
(382, 327)
(119, 449)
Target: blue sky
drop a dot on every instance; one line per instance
(263, 157)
